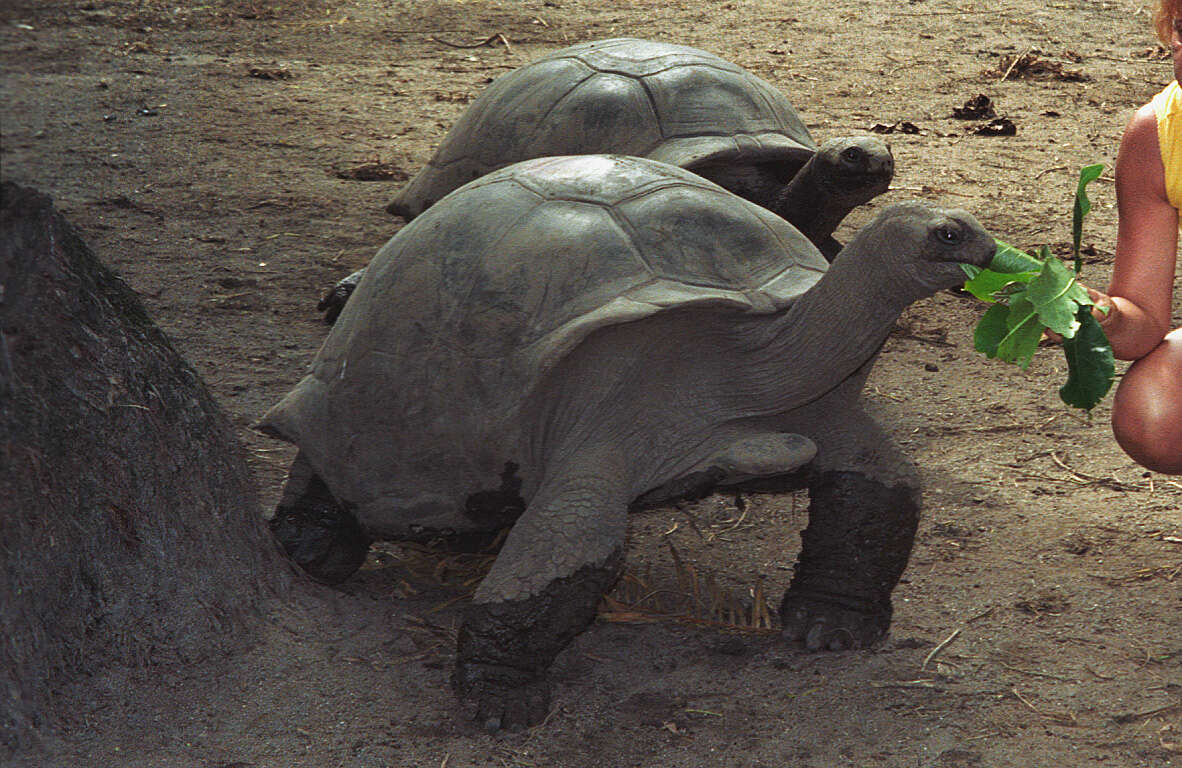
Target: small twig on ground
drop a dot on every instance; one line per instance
(1014, 63)
(496, 37)
(1062, 718)
(1045, 171)
(538, 728)
(1097, 674)
(1129, 717)
(922, 683)
(1170, 572)
(997, 11)
(1074, 476)
(935, 651)
(980, 615)
(1168, 744)
(1124, 59)
(991, 428)
(697, 600)
(1078, 476)
(874, 389)
(742, 516)
(704, 712)
(760, 617)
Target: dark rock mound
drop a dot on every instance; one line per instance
(129, 527)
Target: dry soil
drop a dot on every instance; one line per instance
(232, 159)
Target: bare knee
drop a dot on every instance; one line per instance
(1147, 409)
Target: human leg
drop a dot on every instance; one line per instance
(1147, 408)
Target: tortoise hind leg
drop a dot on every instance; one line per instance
(318, 534)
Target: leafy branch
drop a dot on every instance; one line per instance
(1029, 294)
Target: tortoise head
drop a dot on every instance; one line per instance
(855, 169)
(921, 247)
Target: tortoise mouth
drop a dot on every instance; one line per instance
(861, 182)
(980, 259)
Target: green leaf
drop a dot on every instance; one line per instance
(1009, 265)
(991, 330)
(986, 283)
(1083, 206)
(1022, 335)
(1009, 259)
(1053, 298)
(1090, 365)
(1032, 293)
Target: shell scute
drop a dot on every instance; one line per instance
(705, 100)
(688, 233)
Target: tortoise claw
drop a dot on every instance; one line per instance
(501, 698)
(337, 297)
(824, 625)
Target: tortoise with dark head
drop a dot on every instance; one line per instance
(666, 102)
(563, 337)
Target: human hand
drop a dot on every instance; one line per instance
(1102, 310)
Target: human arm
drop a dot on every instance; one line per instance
(1140, 293)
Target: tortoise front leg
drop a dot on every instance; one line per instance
(853, 552)
(863, 514)
(561, 556)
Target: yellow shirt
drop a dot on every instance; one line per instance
(1168, 107)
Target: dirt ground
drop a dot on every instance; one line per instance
(221, 158)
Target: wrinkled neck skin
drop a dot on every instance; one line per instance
(809, 204)
(828, 334)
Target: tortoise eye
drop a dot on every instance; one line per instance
(852, 154)
(948, 235)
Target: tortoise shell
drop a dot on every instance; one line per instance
(671, 103)
(427, 386)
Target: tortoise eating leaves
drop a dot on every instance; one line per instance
(566, 336)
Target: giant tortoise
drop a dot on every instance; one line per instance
(666, 102)
(563, 337)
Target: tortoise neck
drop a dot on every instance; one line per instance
(808, 206)
(828, 334)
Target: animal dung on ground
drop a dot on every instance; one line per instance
(1001, 126)
(902, 126)
(372, 170)
(1031, 66)
(270, 73)
(980, 107)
